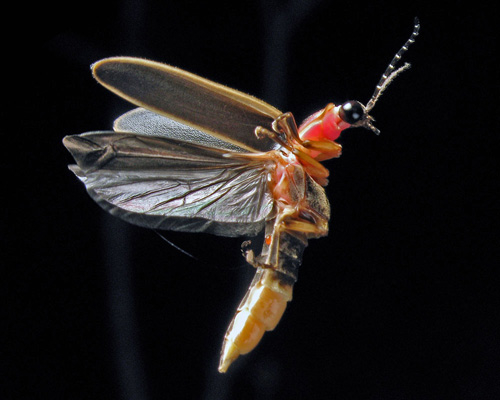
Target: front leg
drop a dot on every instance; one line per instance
(326, 148)
(314, 168)
(286, 124)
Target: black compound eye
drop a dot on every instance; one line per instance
(351, 112)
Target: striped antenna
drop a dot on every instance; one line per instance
(391, 73)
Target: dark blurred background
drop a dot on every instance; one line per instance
(400, 301)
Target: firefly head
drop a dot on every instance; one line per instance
(352, 112)
(355, 114)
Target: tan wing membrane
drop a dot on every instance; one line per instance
(187, 98)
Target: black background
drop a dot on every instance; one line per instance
(400, 301)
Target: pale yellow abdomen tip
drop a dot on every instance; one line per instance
(260, 311)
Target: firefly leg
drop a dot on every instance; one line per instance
(268, 257)
(288, 221)
(309, 228)
(286, 124)
(315, 225)
(315, 168)
(327, 148)
(261, 132)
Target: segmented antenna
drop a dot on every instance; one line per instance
(390, 73)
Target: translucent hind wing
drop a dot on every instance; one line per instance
(146, 122)
(164, 183)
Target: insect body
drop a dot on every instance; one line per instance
(200, 157)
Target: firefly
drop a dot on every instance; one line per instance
(197, 156)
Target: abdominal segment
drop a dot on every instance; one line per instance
(260, 310)
(266, 299)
